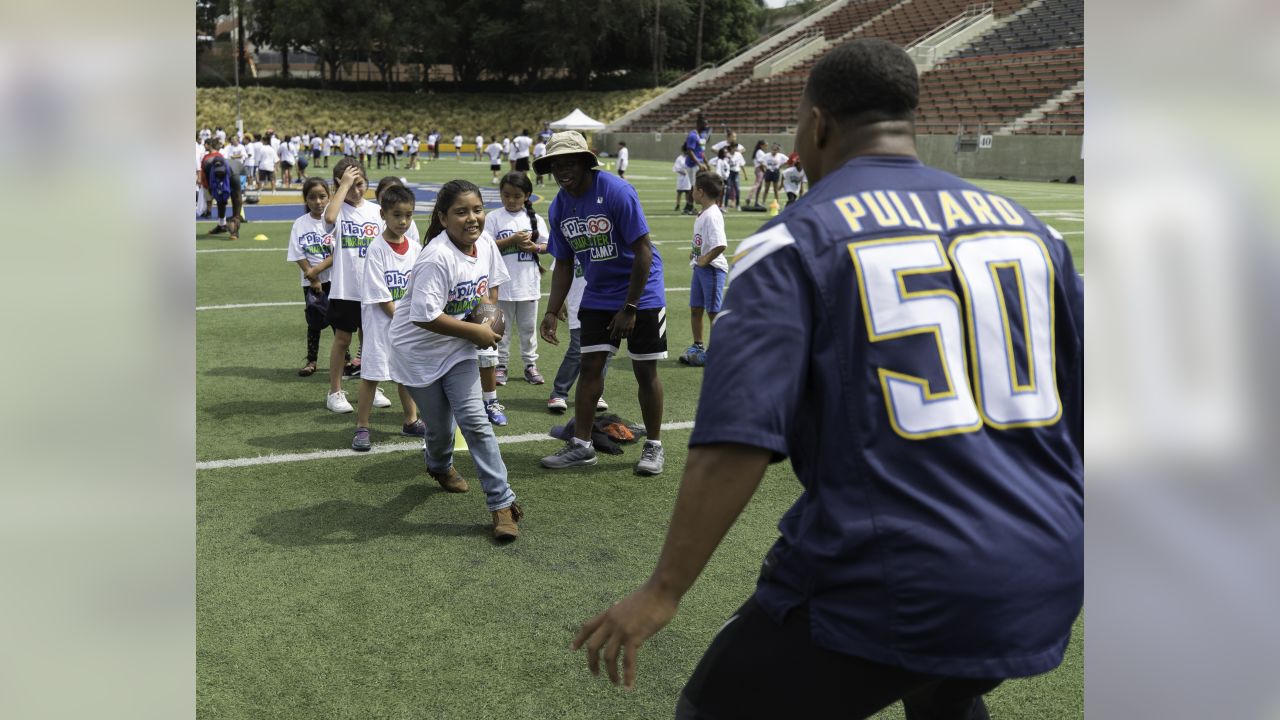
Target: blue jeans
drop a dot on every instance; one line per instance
(571, 365)
(456, 396)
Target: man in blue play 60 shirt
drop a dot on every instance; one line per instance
(914, 344)
(596, 217)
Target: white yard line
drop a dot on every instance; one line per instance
(239, 306)
(249, 249)
(378, 450)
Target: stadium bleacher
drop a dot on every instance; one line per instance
(1021, 64)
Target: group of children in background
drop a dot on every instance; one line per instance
(775, 172)
(269, 161)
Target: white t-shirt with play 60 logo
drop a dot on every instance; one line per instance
(355, 230)
(526, 281)
(443, 281)
(310, 240)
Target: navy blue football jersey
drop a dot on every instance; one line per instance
(914, 344)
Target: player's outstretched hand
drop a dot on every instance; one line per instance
(548, 329)
(623, 628)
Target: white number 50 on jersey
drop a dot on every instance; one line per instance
(977, 329)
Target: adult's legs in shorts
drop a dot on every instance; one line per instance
(590, 387)
(650, 394)
(571, 365)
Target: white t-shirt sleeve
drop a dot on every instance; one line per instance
(294, 253)
(374, 288)
(498, 274)
(431, 284)
(544, 233)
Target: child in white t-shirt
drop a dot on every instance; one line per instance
(707, 258)
(494, 151)
(388, 266)
(393, 181)
(236, 155)
(311, 247)
(539, 150)
(267, 166)
(624, 157)
(793, 180)
(683, 185)
(251, 148)
(433, 350)
(733, 193)
(521, 235)
(457, 146)
(355, 223)
(479, 150)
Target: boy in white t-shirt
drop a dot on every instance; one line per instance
(387, 267)
(457, 146)
(267, 166)
(624, 157)
(479, 146)
(311, 247)
(707, 258)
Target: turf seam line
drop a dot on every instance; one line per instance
(378, 449)
(239, 306)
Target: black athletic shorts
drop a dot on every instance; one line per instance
(495, 168)
(772, 175)
(648, 339)
(344, 315)
(522, 164)
(758, 668)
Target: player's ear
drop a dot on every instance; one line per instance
(820, 122)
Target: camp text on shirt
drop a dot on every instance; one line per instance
(892, 209)
(590, 234)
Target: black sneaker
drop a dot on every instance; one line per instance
(218, 229)
(351, 370)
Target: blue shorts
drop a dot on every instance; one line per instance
(708, 288)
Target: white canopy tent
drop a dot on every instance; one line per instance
(577, 120)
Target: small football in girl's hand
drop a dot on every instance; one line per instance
(492, 313)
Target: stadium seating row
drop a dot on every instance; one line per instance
(1000, 78)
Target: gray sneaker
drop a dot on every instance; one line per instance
(650, 460)
(571, 455)
(360, 443)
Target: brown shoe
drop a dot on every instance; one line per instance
(451, 481)
(504, 523)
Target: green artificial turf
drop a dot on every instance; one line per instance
(352, 587)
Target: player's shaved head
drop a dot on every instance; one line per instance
(869, 79)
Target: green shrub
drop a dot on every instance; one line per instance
(296, 110)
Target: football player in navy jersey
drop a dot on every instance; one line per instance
(934, 420)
